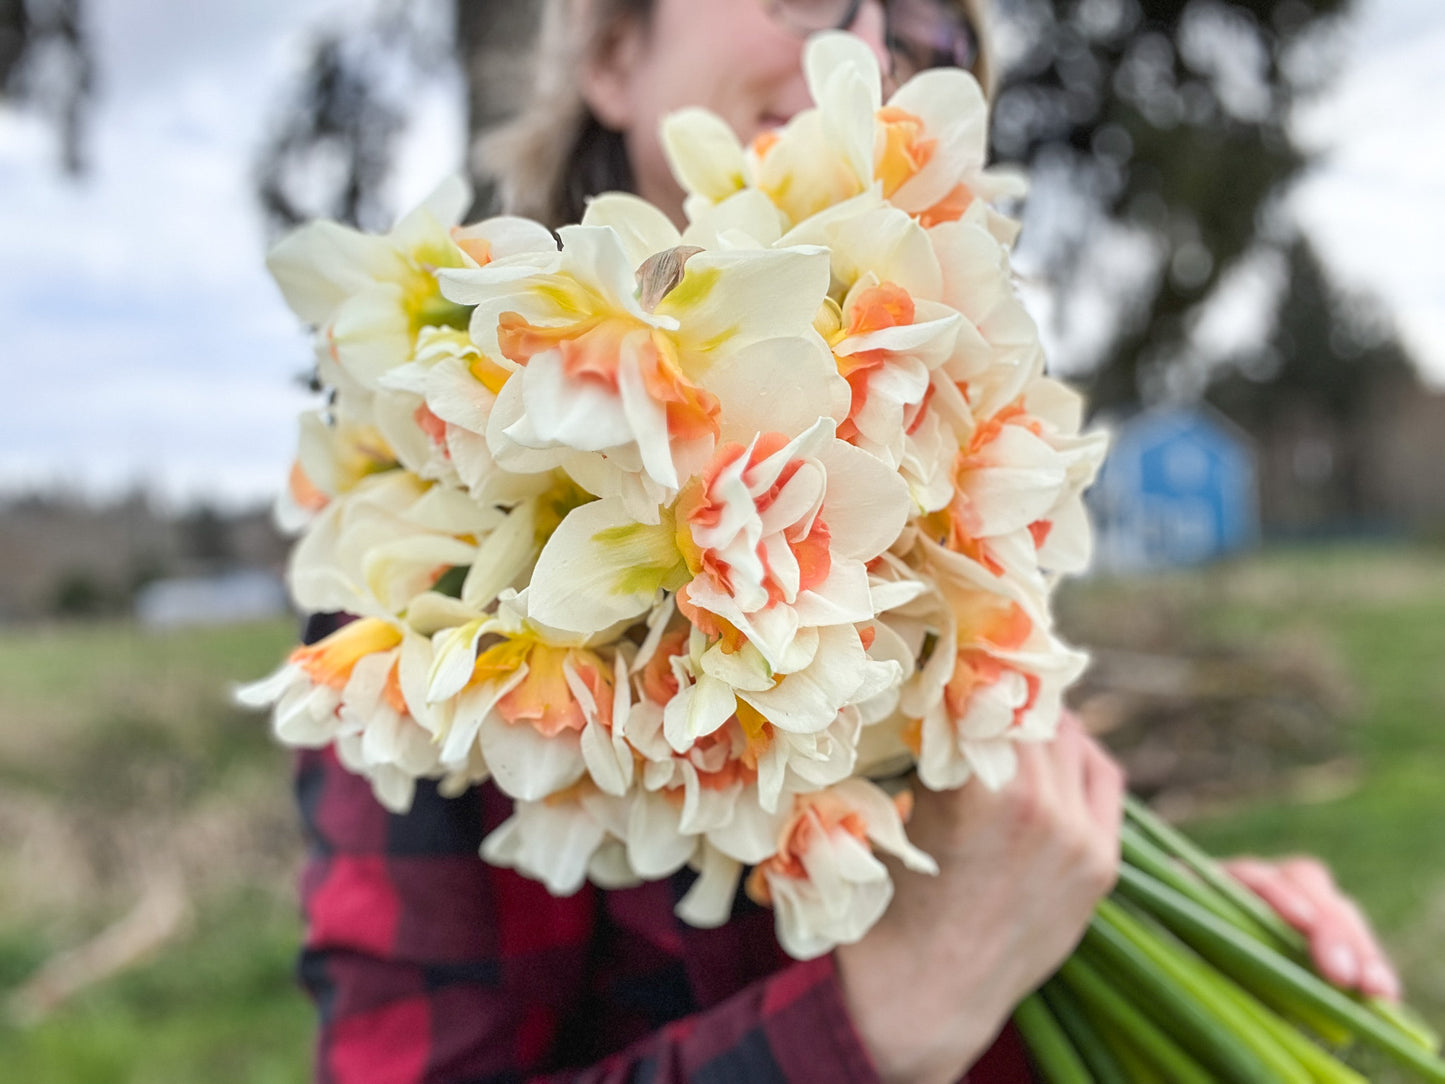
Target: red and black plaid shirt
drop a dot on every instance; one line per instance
(429, 965)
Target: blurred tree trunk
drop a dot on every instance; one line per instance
(495, 48)
(45, 61)
(15, 29)
(1168, 122)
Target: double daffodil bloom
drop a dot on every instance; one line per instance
(923, 151)
(625, 359)
(369, 297)
(540, 707)
(363, 689)
(822, 878)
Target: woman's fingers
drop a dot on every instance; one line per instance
(1104, 784)
(1341, 943)
(1266, 881)
(1070, 746)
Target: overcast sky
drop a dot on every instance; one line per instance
(141, 342)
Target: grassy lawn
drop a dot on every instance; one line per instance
(1385, 838)
(217, 1005)
(121, 762)
(1380, 613)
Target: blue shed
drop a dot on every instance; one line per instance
(1178, 488)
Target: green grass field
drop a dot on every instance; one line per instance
(122, 766)
(1380, 612)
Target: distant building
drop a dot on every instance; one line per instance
(222, 599)
(63, 555)
(1178, 488)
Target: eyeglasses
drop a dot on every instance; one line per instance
(919, 34)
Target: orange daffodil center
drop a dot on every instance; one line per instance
(543, 698)
(903, 148)
(595, 352)
(727, 513)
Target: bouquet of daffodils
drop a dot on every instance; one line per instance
(682, 539)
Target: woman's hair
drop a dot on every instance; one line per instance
(555, 154)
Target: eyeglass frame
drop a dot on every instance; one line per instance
(776, 9)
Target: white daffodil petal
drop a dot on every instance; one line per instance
(697, 711)
(703, 153)
(599, 568)
(642, 229)
(528, 765)
(709, 902)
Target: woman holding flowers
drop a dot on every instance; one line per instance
(428, 964)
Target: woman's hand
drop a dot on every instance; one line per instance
(1021, 871)
(1305, 895)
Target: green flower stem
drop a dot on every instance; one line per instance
(1326, 1068)
(1048, 1045)
(1140, 1069)
(1140, 851)
(1191, 1007)
(1256, 966)
(1101, 999)
(1092, 1046)
(1323, 1066)
(1210, 872)
(1181, 968)
(1146, 836)
(1136, 1067)
(1406, 1019)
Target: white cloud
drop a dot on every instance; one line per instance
(142, 338)
(1373, 204)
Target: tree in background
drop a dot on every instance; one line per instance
(1163, 125)
(1313, 392)
(1160, 126)
(45, 61)
(335, 142)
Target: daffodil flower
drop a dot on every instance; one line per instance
(1018, 481)
(823, 880)
(335, 452)
(369, 297)
(925, 149)
(435, 410)
(362, 688)
(625, 361)
(540, 707)
(392, 538)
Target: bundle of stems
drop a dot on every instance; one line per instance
(1185, 975)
